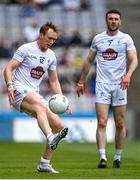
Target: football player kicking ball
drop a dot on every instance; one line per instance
(111, 49)
(29, 63)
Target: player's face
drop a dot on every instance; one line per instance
(47, 40)
(113, 22)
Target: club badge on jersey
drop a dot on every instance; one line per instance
(42, 59)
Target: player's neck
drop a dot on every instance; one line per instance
(112, 33)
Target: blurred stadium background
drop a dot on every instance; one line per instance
(79, 21)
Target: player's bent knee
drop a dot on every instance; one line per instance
(102, 123)
(120, 125)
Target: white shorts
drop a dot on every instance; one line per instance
(20, 94)
(110, 94)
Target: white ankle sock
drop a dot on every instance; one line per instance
(44, 161)
(50, 136)
(102, 154)
(118, 154)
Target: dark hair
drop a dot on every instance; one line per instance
(48, 25)
(114, 11)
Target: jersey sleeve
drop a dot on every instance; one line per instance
(93, 45)
(20, 53)
(130, 43)
(53, 64)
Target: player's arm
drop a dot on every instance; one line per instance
(85, 70)
(12, 64)
(54, 82)
(132, 56)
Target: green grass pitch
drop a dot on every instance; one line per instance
(73, 160)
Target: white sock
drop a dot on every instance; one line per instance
(102, 154)
(44, 161)
(50, 137)
(118, 154)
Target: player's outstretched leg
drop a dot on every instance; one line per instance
(57, 138)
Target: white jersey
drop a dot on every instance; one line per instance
(111, 56)
(34, 63)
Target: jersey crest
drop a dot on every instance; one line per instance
(42, 59)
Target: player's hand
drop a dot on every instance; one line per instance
(125, 82)
(69, 110)
(10, 91)
(80, 88)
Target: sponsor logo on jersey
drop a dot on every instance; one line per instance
(37, 72)
(110, 54)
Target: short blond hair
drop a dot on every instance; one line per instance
(48, 25)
